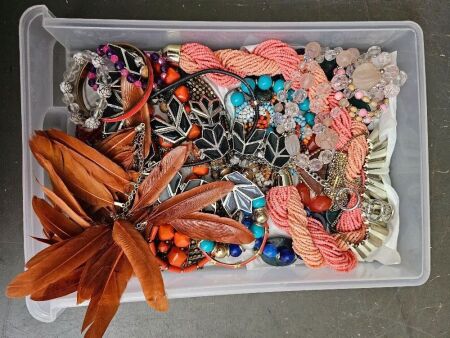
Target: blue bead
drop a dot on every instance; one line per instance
(304, 105)
(278, 86)
(247, 222)
(270, 250)
(257, 230)
(287, 255)
(237, 99)
(235, 250)
(250, 82)
(264, 82)
(290, 93)
(206, 245)
(248, 215)
(309, 118)
(258, 243)
(259, 203)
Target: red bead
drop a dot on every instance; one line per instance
(320, 204)
(200, 170)
(194, 132)
(181, 241)
(172, 76)
(187, 108)
(166, 232)
(182, 93)
(165, 144)
(163, 247)
(304, 192)
(176, 257)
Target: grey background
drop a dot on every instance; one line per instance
(403, 312)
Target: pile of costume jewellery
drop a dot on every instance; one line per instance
(186, 158)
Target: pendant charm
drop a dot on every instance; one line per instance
(250, 146)
(213, 143)
(275, 152)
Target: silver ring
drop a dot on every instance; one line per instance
(347, 191)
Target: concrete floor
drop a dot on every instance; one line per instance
(403, 312)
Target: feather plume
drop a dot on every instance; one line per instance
(75, 176)
(66, 258)
(206, 226)
(43, 254)
(49, 241)
(104, 305)
(189, 202)
(144, 264)
(119, 147)
(54, 221)
(60, 189)
(61, 287)
(62, 205)
(159, 178)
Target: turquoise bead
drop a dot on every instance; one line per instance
(264, 82)
(237, 99)
(206, 245)
(278, 86)
(290, 93)
(304, 105)
(257, 231)
(309, 118)
(251, 83)
(259, 203)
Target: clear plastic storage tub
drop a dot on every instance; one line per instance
(47, 42)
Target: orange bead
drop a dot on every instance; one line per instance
(200, 170)
(166, 232)
(182, 93)
(191, 176)
(171, 76)
(194, 132)
(165, 144)
(177, 257)
(181, 241)
(163, 247)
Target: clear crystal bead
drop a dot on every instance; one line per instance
(338, 50)
(291, 109)
(335, 112)
(302, 160)
(348, 93)
(320, 58)
(282, 96)
(400, 79)
(316, 106)
(69, 76)
(104, 91)
(299, 96)
(92, 123)
(65, 87)
(391, 90)
(68, 98)
(382, 60)
(376, 93)
(374, 51)
(97, 61)
(318, 128)
(330, 54)
(73, 107)
(390, 72)
(349, 70)
(79, 58)
(315, 164)
(287, 85)
(278, 118)
(292, 144)
(326, 156)
(339, 81)
(280, 129)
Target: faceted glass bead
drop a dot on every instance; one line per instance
(390, 72)
(348, 93)
(323, 89)
(400, 79)
(339, 82)
(391, 90)
(335, 112)
(278, 107)
(312, 49)
(65, 87)
(349, 70)
(318, 128)
(374, 51)
(68, 98)
(73, 108)
(382, 60)
(320, 58)
(328, 139)
(326, 156)
(292, 144)
(316, 106)
(291, 109)
(330, 54)
(299, 96)
(282, 96)
(315, 164)
(307, 80)
(338, 50)
(302, 160)
(376, 93)
(366, 76)
(344, 58)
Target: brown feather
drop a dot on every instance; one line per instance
(96, 271)
(43, 254)
(159, 178)
(89, 153)
(76, 177)
(212, 227)
(105, 304)
(144, 264)
(119, 147)
(45, 240)
(60, 288)
(60, 189)
(66, 258)
(58, 202)
(190, 201)
(130, 96)
(55, 221)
